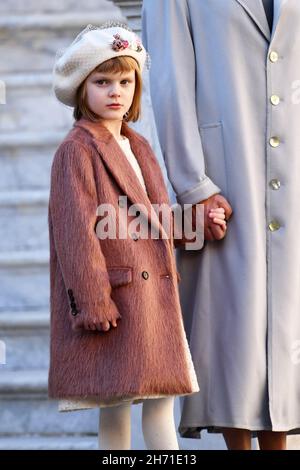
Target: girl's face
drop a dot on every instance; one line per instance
(110, 95)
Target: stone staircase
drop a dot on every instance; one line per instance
(32, 124)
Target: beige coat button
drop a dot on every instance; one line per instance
(274, 225)
(273, 56)
(274, 142)
(275, 100)
(275, 183)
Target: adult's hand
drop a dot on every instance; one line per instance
(213, 231)
(214, 226)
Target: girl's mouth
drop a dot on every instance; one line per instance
(115, 105)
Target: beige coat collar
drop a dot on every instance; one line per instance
(255, 10)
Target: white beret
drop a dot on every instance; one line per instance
(93, 46)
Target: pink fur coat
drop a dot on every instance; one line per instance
(147, 354)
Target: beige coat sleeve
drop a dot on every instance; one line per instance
(173, 92)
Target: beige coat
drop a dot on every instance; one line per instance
(147, 354)
(226, 98)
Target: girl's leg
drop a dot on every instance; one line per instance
(270, 440)
(237, 439)
(115, 427)
(158, 424)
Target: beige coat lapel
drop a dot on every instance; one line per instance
(279, 6)
(255, 10)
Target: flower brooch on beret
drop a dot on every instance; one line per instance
(120, 44)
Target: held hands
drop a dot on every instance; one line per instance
(218, 217)
(217, 211)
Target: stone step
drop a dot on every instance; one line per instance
(29, 42)
(24, 259)
(26, 338)
(26, 409)
(59, 442)
(24, 280)
(26, 159)
(41, 6)
(24, 220)
(34, 423)
(131, 9)
(26, 413)
(31, 105)
(13, 140)
(28, 167)
(16, 322)
(82, 442)
(34, 38)
(24, 198)
(25, 383)
(58, 21)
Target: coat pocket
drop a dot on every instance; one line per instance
(119, 276)
(214, 154)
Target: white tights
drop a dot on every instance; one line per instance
(157, 423)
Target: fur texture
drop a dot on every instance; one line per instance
(147, 354)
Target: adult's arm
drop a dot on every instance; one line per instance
(167, 35)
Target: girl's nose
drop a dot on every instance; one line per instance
(114, 91)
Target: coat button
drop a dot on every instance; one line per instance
(273, 56)
(274, 225)
(74, 313)
(275, 100)
(274, 141)
(275, 184)
(145, 275)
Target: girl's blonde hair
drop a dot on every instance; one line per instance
(116, 65)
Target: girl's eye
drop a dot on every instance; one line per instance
(105, 82)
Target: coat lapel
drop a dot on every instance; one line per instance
(122, 171)
(278, 9)
(256, 11)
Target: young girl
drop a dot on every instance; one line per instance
(117, 335)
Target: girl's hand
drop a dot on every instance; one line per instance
(213, 230)
(96, 325)
(218, 217)
(105, 326)
(102, 326)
